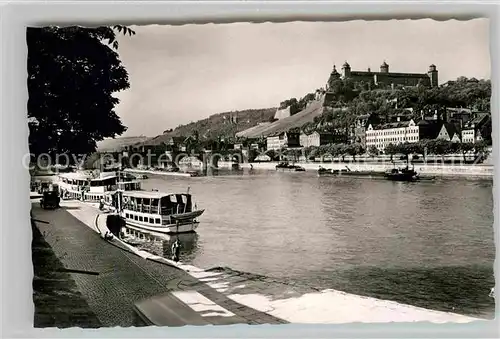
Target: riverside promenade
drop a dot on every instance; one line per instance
(118, 283)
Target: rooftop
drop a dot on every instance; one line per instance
(76, 175)
(148, 194)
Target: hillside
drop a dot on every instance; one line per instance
(314, 109)
(109, 145)
(224, 125)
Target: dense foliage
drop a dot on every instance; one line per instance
(72, 74)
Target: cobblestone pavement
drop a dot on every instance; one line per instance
(124, 278)
(58, 303)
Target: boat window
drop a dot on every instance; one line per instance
(136, 217)
(151, 221)
(166, 205)
(146, 205)
(140, 218)
(154, 205)
(158, 220)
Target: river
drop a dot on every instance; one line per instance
(428, 244)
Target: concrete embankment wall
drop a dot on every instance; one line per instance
(431, 169)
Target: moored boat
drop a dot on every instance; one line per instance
(350, 173)
(89, 187)
(286, 165)
(159, 212)
(402, 174)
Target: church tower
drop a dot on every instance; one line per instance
(433, 75)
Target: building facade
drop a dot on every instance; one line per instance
(448, 132)
(477, 129)
(383, 76)
(283, 140)
(316, 139)
(392, 133)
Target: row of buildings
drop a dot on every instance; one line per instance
(456, 125)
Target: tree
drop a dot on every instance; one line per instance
(442, 147)
(354, 149)
(72, 74)
(373, 151)
(392, 150)
(340, 150)
(465, 148)
(481, 150)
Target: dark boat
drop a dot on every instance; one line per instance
(349, 173)
(285, 165)
(402, 174)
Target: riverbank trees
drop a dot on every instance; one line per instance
(423, 148)
(72, 75)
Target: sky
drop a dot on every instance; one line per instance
(180, 74)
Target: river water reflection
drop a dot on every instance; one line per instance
(428, 244)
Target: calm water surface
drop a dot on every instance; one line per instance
(428, 244)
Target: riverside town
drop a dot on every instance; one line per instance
(357, 194)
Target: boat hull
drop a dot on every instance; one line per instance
(358, 174)
(401, 177)
(166, 229)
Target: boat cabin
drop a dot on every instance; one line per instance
(102, 185)
(155, 207)
(73, 185)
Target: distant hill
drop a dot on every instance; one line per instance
(110, 144)
(225, 125)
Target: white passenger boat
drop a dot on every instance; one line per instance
(159, 212)
(93, 188)
(73, 185)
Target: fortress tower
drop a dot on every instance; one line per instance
(346, 70)
(384, 68)
(433, 75)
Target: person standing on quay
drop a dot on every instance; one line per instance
(176, 249)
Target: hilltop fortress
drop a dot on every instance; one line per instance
(384, 77)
